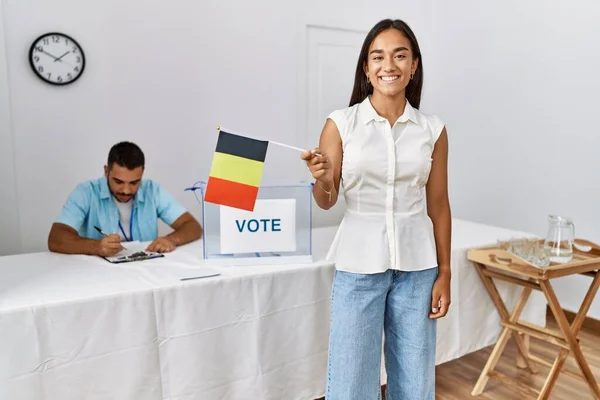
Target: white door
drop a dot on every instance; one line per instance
(332, 55)
(332, 58)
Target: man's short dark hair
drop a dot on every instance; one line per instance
(126, 154)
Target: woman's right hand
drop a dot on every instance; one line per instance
(319, 165)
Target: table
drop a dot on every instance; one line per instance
(493, 263)
(77, 327)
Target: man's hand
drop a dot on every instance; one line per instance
(440, 296)
(162, 245)
(109, 245)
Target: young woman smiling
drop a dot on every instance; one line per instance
(392, 249)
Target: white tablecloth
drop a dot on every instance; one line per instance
(473, 322)
(77, 327)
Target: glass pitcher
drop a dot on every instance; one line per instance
(559, 240)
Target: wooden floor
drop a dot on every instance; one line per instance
(455, 379)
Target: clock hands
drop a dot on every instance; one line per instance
(44, 51)
(59, 58)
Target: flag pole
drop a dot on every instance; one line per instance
(219, 128)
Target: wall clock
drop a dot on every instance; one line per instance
(57, 58)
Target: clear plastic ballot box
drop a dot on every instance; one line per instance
(279, 230)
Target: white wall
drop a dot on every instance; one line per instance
(517, 83)
(10, 240)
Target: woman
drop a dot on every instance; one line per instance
(392, 249)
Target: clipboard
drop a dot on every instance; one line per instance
(134, 252)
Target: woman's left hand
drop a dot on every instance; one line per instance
(440, 296)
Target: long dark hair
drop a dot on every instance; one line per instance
(362, 88)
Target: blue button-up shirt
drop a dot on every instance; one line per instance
(91, 204)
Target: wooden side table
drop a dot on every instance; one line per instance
(495, 263)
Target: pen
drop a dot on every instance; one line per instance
(198, 277)
(104, 234)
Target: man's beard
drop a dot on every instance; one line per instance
(129, 197)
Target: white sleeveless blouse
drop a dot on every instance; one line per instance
(384, 172)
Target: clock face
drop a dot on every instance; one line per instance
(56, 58)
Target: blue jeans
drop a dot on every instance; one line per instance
(362, 307)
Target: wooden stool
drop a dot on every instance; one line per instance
(492, 262)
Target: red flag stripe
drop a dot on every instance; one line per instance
(229, 193)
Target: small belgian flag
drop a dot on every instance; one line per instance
(236, 171)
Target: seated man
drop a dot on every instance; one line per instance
(120, 202)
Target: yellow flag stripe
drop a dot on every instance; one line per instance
(236, 169)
